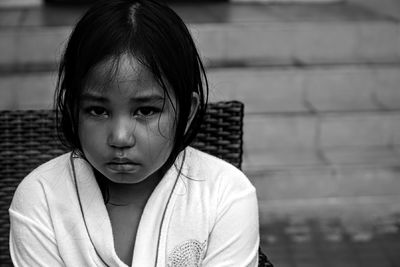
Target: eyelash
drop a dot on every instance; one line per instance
(152, 111)
(91, 111)
(96, 111)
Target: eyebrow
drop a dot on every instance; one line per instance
(93, 98)
(139, 99)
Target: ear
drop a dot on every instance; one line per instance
(193, 108)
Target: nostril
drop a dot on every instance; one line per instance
(121, 144)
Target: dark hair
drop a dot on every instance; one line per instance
(152, 33)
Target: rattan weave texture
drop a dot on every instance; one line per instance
(28, 138)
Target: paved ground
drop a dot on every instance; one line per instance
(331, 243)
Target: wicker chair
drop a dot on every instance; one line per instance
(28, 139)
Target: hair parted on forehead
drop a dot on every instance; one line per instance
(132, 12)
(150, 32)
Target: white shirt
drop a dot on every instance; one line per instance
(206, 217)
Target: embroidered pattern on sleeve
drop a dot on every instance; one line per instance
(188, 254)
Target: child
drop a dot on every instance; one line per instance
(130, 98)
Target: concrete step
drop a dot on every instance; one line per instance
(227, 34)
(280, 141)
(384, 7)
(354, 193)
(27, 90)
(327, 182)
(356, 212)
(309, 89)
(263, 90)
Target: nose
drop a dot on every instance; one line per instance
(122, 134)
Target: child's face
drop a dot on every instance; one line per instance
(125, 131)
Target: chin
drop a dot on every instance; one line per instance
(124, 179)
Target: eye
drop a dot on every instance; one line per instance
(147, 111)
(97, 111)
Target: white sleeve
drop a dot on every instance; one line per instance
(32, 239)
(234, 239)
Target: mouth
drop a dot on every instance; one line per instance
(122, 165)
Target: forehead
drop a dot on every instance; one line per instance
(124, 75)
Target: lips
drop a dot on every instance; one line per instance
(122, 165)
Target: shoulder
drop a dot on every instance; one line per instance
(46, 172)
(30, 194)
(215, 171)
(221, 187)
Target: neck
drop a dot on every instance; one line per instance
(121, 194)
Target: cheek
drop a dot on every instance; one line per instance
(162, 126)
(166, 128)
(159, 137)
(89, 136)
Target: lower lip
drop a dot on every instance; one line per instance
(125, 167)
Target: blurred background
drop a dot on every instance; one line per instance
(320, 80)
